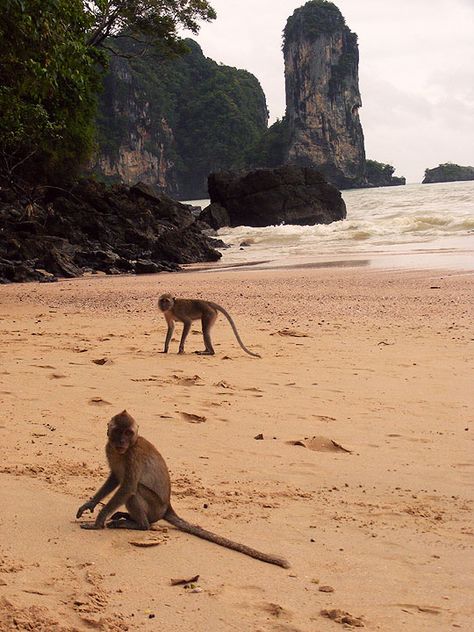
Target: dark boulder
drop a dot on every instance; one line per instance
(215, 216)
(265, 197)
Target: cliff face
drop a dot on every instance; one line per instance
(169, 123)
(322, 94)
(448, 172)
(135, 140)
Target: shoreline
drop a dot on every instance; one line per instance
(437, 259)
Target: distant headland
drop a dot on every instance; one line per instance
(448, 172)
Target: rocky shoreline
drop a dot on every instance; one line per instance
(95, 228)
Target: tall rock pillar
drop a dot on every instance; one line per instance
(322, 94)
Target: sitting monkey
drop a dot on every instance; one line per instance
(139, 472)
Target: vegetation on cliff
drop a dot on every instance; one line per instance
(311, 20)
(379, 174)
(204, 113)
(448, 172)
(272, 147)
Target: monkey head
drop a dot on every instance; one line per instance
(166, 302)
(122, 432)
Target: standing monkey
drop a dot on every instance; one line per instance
(187, 310)
(140, 473)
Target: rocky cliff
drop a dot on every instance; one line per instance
(169, 123)
(322, 94)
(448, 172)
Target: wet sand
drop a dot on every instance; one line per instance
(363, 478)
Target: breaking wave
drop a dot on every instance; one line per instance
(378, 220)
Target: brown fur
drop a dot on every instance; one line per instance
(141, 479)
(186, 310)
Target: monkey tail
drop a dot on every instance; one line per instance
(172, 517)
(234, 328)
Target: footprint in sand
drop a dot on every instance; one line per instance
(98, 401)
(183, 380)
(319, 444)
(192, 418)
(223, 384)
(344, 618)
(276, 611)
(414, 607)
(324, 417)
(290, 332)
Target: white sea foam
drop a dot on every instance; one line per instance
(436, 218)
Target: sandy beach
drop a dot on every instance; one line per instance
(363, 479)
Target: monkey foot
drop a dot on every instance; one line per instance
(126, 524)
(119, 515)
(204, 352)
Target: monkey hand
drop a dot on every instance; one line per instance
(89, 505)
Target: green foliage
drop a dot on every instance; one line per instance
(147, 22)
(215, 112)
(311, 20)
(448, 172)
(380, 174)
(48, 82)
(449, 169)
(272, 146)
(50, 74)
(375, 170)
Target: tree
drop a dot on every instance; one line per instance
(151, 22)
(51, 64)
(49, 78)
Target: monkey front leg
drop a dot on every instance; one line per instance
(108, 487)
(169, 334)
(118, 499)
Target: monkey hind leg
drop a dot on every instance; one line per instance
(136, 518)
(207, 320)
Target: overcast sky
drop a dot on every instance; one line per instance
(416, 71)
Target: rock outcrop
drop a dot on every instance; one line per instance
(448, 172)
(379, 174)
(169, 123)
(322, 94)
(98, 228)
(265, 197)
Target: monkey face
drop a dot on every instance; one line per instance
(122, 432)
(165, 302)
(121, 438)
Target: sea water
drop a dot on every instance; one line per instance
(417, 225)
